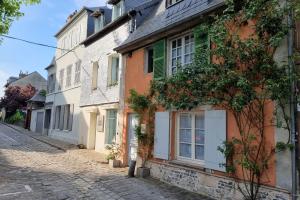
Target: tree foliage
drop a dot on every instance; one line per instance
(244, 78)
(16, 97)
(145, 107)
(10, 11)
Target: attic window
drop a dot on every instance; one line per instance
(172, 2)
(117, 10)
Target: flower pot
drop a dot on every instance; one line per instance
(143, 172)
(114, 163)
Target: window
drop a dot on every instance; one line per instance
(95, 75)
(69, 76)
(111, 126)
(77, 72)
(149, 60)
(117, 10)
(182, 52)
(61, 79)
(98, 23)
(172, 2)
(191, 135)
(64, 117)
(51, 83)
(113, 71)
(57, 117)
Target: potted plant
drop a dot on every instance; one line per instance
(114, 152)
(145, 140)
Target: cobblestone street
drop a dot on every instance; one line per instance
(30, 169)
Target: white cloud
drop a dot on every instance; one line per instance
(80, 3)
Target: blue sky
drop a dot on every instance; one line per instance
(39, 24)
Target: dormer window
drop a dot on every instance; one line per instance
(172, 2)
(117, 10)
(98, 20)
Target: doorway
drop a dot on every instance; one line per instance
(132, 139)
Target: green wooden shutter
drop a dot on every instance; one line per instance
(159, 61)
(202, 43)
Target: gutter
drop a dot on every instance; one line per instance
(292, 104)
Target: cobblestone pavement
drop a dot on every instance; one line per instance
(32, 170)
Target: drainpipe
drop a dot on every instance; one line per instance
(292, 104)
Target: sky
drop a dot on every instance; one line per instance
(39, 24)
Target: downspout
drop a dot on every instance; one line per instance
(292, 103)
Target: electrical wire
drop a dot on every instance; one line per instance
(34, 43)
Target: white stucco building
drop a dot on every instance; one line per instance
(102, 75)
(62, 115)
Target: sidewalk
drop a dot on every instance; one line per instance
(83, 154)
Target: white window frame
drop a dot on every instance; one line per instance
(183, 53)
(77, 78)
(98, 21)
(119, 5)
(191, 160)
(110, 82)
(61, 79)
(69, 76)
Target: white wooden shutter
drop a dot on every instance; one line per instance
(215, 135)
(70, 123)
(161, 136)
(61, 118)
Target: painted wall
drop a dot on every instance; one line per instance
(280, 164)
(70, 94)
(34, 119)
(104, 97)
(137, 79)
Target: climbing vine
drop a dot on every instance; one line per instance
(144, 107)
(244, 77)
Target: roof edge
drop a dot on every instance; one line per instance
(132, 45)
(72, 20)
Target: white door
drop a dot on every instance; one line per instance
(132, 140)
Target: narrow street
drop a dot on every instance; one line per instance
(30, 169)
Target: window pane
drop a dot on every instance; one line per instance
(186, 136)
(199, 152)
(185, 150)
(150, 60)
(111, 126)
(173, 53)
(185, 121)
(179, 42)
(174, 44)
(115, 70)
(199, 120)
(199, 136)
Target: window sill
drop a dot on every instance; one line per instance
(112, 85)
(191, 165)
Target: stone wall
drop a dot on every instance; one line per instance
(208, 184)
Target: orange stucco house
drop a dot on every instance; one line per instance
(185, 150)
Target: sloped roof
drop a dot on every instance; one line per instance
(164, 19)
(131, 8)
(89, 9)
(38, 98)
(52, 63)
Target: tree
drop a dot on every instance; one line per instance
(242, 77)
(16, 97)
(10, 11)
